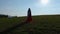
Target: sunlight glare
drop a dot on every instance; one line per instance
(44, 2)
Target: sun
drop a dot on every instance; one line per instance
(44, 2)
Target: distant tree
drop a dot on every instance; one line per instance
(3, 15)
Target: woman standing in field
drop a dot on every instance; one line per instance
(29, 17)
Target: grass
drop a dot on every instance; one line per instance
(40, 24)
(9, 22)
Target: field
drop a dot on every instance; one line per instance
(44, 24)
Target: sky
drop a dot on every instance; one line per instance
(38, 7)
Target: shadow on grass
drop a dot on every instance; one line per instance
(12, 28)
(40, 31)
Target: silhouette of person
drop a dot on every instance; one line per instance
(29, 17)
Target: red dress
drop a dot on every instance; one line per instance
(29, 19)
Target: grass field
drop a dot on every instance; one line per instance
(44, 24)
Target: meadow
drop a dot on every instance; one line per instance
(43, 24)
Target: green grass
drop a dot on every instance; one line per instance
(7, 22)
(38, 22)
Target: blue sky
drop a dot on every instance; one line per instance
(20, 7)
